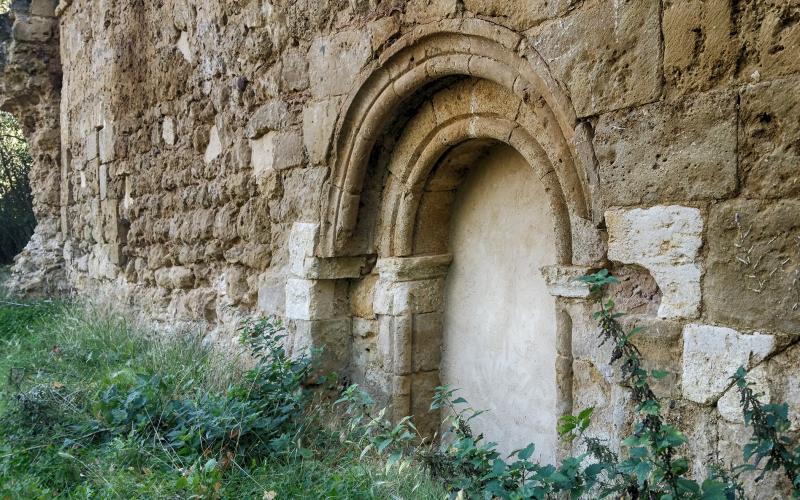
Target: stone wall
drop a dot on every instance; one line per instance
(223, 158)
(30, 87)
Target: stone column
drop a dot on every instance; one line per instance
(409, 304)
(563, 285)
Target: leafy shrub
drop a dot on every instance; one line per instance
(251, 419)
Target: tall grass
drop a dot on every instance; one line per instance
(61, 360)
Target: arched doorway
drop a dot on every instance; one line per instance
(430, 105)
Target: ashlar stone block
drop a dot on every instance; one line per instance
(769, 153)
(409, 297)
(562, 281)
(752, 275)
(681, 150)
(712, 354)
(276, 151)
(606, 53)
(309, 299)
(319, 120)
(168, 131)
(335, 62)
(666, 241)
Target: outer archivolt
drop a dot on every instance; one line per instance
(459, 47)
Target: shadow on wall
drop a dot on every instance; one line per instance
(17, 220)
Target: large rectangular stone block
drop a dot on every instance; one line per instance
(769, 150)
(606, 53)
(710, 43)
(752, 276)
(519, 14)
(309, 299)
(335, 62)
(682, 150)
(666, 241)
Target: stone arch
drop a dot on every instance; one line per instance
(463, 47)
(470, 84)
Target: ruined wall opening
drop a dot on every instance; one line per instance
(17, 220)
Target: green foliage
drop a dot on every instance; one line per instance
(650, 464)
(770, 443)
(97, 407)
(16, 202)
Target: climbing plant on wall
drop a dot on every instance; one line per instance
(652, 462)
(16, 203)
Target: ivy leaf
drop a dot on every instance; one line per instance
(659, 374)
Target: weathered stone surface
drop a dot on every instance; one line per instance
(605, 53)
(168, 131)
(270, 116)
(713, 43)
(666, 241)
(309, 299)
(712, 354)
(682, 150)
(214, 147)
(562, 281)
(319, 120)
(276, 151)
(404, 297)
(729, 405)
(175, 277)
(184, 47)
(751, 276)
(332, 334)
(781, 374)
(413, 268)
(520, 14)
(335, 61)
(769, 152)
(32, 29)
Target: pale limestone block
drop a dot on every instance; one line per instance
(712, 354)
(275, 151)
(335, 62)
(302, 242)
(329, 268)
(32, 29)
(333, 336)
(183, 46)
(562, 281)
(91, 151)
(271, 116)
(319, 120)
(666, 241)
(364, 328)
(729, 404)
(309, 299)
(413, 268)
(168, 131)
(105, 142)
(214, 147)
(103, 181)
(408, 297)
